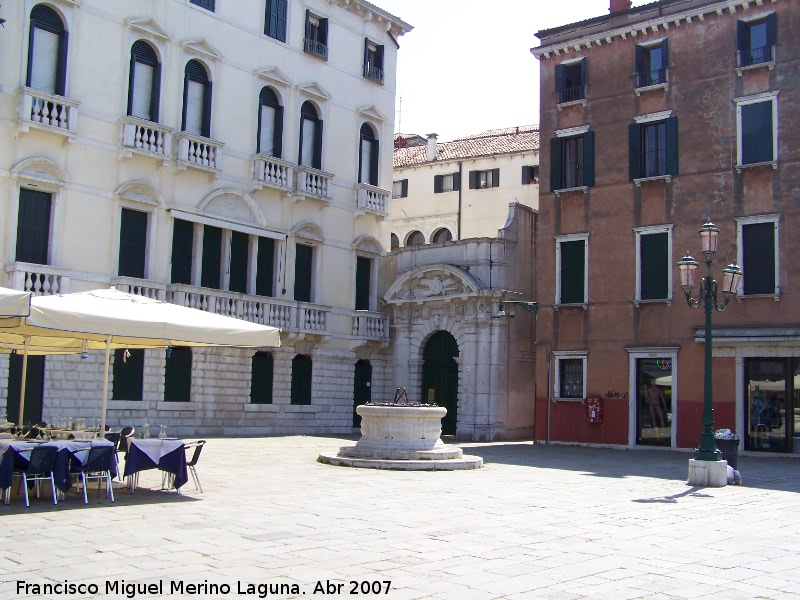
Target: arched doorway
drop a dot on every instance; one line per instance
(440, 377)
(362, 388)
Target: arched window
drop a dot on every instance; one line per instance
(415, 238)
(47, 51)
(270, 124)
(442, 235)
(144, 82)
(395, 242)
(310, 137)
(196, 100)
(368, 156)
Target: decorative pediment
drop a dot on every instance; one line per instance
(372, 113)
(232, 205)
(274, 75)
(367, 243)
(309, 231)
(149, 27)
(201, 47)
(139, 191)
(42, 170)
(431, 282)
(314, 89)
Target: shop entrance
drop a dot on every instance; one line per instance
(440, 377)
(772, 404)
(654, 401)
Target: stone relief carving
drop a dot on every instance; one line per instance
(432, 284)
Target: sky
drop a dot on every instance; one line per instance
(467, 67)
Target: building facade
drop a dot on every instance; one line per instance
(460, 189)
(229, 156)
(656, 118)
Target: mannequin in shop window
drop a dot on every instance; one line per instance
(655, 402)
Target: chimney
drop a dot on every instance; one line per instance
(618, 6)
(432, 146)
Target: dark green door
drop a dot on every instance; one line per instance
(34, 389)
(440, 377)
(362, 388)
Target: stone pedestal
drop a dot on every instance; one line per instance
(402, 437)
(708, 473)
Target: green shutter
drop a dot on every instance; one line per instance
(573, 271)
(404, 188)
(473, 180)
(302, 272)
(756, 126)
(239, 261)
(758, 258)
(265, 266)
(556, 162)
(437, 184)
(588, 158)
(212, 257)
(654, 266)
(495, 177)
(363, 273)
(33, 226)
(672, 145)
(456, 181)
(182, 250)
(634, 151)
(132, 243)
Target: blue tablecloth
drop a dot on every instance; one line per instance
(17, 452)
(165, 455)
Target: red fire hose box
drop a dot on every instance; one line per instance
(594, 409)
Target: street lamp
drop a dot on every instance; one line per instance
(707, 297)
(531, 307)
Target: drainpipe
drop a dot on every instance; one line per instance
(460, 185)
(549, 387)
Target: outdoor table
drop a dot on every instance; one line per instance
(163, 454)
(17, 452)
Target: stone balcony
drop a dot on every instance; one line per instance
(146, 138)
(47, 112)
(370, 327)
(313, 184)
(198, 152)
(373, 200)
(41, 280)
(140, 287)
(272, 172)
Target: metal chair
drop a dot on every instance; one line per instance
(114, 437)
(97, 466)
(192, 463)
(40, 468)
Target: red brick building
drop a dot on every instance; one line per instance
(653, 119)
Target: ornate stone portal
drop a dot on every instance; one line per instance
(402, 436)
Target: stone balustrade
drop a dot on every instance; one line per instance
(47, 111)
(370, 325)
(313, 182)
(199, 152)
(41, 280)
(140, 287)
(146, 137)
(272, 172)
(372, 199)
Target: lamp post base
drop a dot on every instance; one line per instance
(708, 473)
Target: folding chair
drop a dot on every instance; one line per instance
(97, 466)
(40, 468)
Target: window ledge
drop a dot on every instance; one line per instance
(300, 408)
(770, 64)
(769, 163)
(583, 305)
(639, 181)
(651, 88)
(563, 105)
(261, 408)
(583, 188)
(776, 296)
(639, 301)
(581, 400)
(188, 406)
(128, 404)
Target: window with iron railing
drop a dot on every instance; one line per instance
(652, 64)
(316, 40)
(373, 61)
(756, 41)
(571, 81)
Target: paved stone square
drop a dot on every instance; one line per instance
(553, 522)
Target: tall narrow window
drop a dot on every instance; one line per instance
(572, 161)
(758, 252)
(144, 82)
(265, 267)
(212, 257)
(47, 51)
(653, 148)
(178, 374)
(275, 20)
(654, 266)
(261, 370)
(571, 259)
(270, 124)
(310, 137)
(570, 377)
(363, 277)
(303, 265)
(182, 251)
(132, 243)
(196, 100)
(240, 259)
(373, 61)
(128, 374)
(368, 156)
(33, 226)
(571, 81)
(301, 379)
(652, 63)
(756, 41)
(757, 129)
(316, 40)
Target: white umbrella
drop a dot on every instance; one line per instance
(13, 303)
(108, 318)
